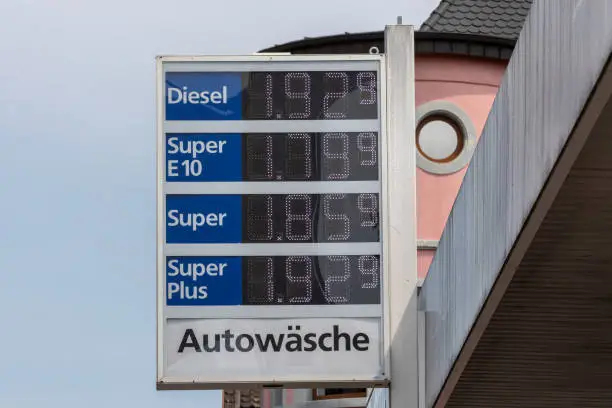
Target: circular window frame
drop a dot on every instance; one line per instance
(460, 121)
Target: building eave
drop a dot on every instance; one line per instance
(426, 42)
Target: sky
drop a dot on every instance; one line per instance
(77, 175)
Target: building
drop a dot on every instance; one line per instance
(462, 53)
(517, 298)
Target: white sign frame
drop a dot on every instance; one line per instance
(166, 383)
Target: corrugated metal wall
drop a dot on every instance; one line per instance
(558, 59)
(379, 398)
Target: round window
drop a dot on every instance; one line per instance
(439, 139)
(445, 137)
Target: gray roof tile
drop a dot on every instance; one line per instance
(493, 18)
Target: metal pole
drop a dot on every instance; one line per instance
(401, 190)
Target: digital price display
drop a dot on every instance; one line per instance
(311, 218)
(311, 95)
(306, 156)
(256, 217)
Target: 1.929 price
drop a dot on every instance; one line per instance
(311, 95)
(333, 279)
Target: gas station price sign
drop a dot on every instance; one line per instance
(270, 220)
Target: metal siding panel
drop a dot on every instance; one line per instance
(379, 398)
(558, 58)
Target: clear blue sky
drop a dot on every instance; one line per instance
(77, 157)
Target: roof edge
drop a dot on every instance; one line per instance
(308, 42)
(426, 42)
(434, 16)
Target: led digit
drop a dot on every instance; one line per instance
(368, 267)
(368, 209)
(366, 143)
(303, 263)
(268, 96)
(294, 94)
(259, 226)
(335, 97)
(259, 96)
(335, 149)
(293, 204)
(343, 219)
(260, 280)
(298, 156)
(366, 82)
(338, 280)
(259, 157)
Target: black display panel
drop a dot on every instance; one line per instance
(310, 95)
(332, 156)
(311, 280)
(311, 218)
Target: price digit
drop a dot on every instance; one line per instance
(298, 150)
(368, 209)
(260, 278)
(303, 217)
(303, 95)
(293, 263)
(268, 95)
(333, 138)
(259, 151)
(366, 82)
(260, 218)
(338, 98)
(368, 266)
(332, 216)
(343, 263)
(259, 92)
(366, 143)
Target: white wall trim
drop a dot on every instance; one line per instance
(427, 243)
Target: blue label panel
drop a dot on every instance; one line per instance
(203, 96)
(204, 157)
(203, 281)
(201, 219)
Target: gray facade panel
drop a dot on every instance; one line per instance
(558, 58)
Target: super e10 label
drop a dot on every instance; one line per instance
(203, 157)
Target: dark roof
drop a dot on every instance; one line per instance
(492, 18)
(478, 28)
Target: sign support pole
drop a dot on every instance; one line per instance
(401, 193)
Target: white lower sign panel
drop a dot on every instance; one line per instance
(239, 350)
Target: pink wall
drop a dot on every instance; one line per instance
(470, 83)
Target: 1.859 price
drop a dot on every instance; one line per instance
(311, 218)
